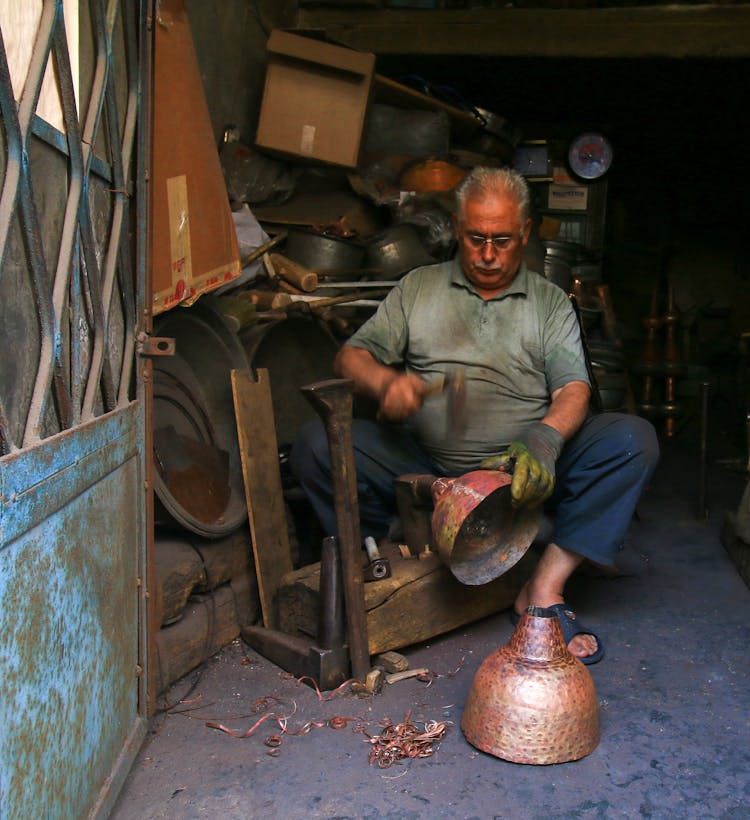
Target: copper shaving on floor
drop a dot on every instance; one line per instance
(405, 741)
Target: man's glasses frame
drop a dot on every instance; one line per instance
(500, 241)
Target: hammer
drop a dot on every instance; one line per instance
(453, 386)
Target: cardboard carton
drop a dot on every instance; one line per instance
(193, 240)
(315, 100)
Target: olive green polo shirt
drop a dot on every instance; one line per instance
(515, 349)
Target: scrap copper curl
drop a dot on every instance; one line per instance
(404, 740)
(331, 695)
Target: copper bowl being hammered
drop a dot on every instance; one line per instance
(479, 534)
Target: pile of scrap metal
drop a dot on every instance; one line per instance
(330, 210)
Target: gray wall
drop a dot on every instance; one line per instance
(230, 42)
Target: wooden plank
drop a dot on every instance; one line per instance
(436, 603)
(420, 600)
(647, 31)
(209, 622)
(256, 430)
(179, 570)
(223, 558)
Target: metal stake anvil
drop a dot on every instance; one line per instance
(325, 660)
(333, 400)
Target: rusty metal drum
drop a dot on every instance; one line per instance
(531, 700)
(478, 532)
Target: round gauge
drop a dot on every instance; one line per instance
(590, 155)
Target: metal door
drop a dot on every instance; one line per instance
(73, 508)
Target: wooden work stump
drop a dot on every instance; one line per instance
(420, 600)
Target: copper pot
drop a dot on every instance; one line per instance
(478, 532)
(531, 700)
(430, 176)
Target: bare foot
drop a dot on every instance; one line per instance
(580, 645)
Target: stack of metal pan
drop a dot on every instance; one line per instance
(565, 262)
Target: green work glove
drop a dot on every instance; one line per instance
(531, 459)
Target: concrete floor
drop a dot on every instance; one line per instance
(673, 690)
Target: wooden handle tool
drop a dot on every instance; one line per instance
(294, 273)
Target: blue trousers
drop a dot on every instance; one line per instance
(600, 476)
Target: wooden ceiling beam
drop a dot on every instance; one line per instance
(705, 31)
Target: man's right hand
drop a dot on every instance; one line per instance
(403, 396)
(399, 394)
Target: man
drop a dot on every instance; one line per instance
(516, 338)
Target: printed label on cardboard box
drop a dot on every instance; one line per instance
(307, 143)
(179, 230)
(568, 197)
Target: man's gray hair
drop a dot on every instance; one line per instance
(483, 181)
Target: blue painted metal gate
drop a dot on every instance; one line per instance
(73, 508)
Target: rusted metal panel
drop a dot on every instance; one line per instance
(74, 507)
(70, 601)
(36, 482)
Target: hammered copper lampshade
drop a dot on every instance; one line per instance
(478, 532)
(531, 700)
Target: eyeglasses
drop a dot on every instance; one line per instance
(500, 242)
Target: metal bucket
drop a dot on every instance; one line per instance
(395, 251)
(478, 532)
(197, 469)
(296, 351)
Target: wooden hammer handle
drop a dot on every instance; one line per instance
(297, 275)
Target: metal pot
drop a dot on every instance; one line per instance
(395, 251)
(587, 272)
(322, 253)
(198, 478)
(560, 249)
(499, 126)
(491, 145)
(613, 388)
(606, 355)
(557, 270)
(478, 532)
(431, 176)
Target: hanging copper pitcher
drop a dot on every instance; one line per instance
(531, 700)
(479, 534)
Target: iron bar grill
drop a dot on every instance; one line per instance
(67, 275)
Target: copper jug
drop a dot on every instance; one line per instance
(531, 700)
(479, 534)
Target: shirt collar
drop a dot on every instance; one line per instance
(520, 285)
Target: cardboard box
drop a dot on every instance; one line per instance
(193, 241)
(315, 100)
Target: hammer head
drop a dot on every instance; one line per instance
(454, 388)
